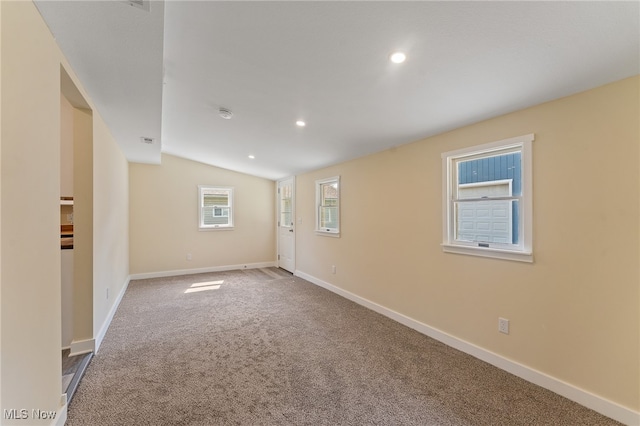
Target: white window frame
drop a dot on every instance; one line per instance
(523, 251)
(217, 227)
(331, 232)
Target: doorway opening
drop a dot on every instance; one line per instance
(76, 233)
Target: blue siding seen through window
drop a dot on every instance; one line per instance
(507, 166)
(497, 167)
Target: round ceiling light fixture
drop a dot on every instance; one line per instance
(398, 57)
(300, 123)
(252, 156)
(225, 113)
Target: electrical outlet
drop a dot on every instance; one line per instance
(189, 256)
(333, 269)
(503, 325)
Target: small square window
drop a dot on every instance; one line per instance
(487, 206)
(215, 206)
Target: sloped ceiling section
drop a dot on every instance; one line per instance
(116, 48)
(166, 73)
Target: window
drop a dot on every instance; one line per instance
(487, 205)
(328, 206)
(216, 207)
(286, 205)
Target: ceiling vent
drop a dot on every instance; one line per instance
(225, 113)
(148, 141)
(140, 4)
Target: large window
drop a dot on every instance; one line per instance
(328, 206)
(487, 204)
(216, 207)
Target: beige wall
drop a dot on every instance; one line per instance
(30, 313)
(574, 312)
(164, 218)
(30, 263)
(83, 249)
(66, 147)
(110, 223)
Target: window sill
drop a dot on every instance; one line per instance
(328, 234)
(219, 228)
(519, 256)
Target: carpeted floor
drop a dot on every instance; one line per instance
(260, 347)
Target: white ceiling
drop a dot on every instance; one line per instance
(164, 73)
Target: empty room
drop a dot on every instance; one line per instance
(319, 213)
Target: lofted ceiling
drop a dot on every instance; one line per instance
(163, 70)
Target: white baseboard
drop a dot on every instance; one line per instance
(79, 347)
(202, 270)
(601, 405)
(107, 322)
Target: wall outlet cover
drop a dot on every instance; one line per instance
(503, 325)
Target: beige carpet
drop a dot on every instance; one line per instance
(260, 347)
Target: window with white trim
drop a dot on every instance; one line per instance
(215, 205)
(328, 206)
(487, 200)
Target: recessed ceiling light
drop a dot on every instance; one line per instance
(398, 57)
(252, 156)
(225, 113)
(300, 123)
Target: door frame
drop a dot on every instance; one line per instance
(293, 219)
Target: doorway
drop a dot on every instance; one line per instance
(286, 228)
(76, 233)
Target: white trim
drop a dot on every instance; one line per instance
(523, 251)
(489, 147)
(107, 322)
(332, 232)
(79, 347)
(294, 226)
(328, 234)
(527, 188)
(177, 272)
(231, 195)
(597, 403)
(493, 252)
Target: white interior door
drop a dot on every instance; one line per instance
(286, 229)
